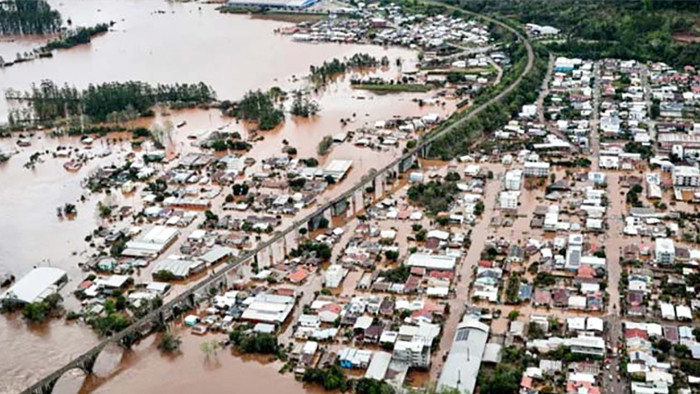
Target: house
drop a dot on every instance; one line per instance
(664, 251)
(178, 267)
(268, 308)
(354, 358)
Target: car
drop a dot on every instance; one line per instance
(610, 376)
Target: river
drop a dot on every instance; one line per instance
(186, 42)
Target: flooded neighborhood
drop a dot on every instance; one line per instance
(326, 196)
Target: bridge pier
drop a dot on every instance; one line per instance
(359, 203)
(47, 387)
(379, 187)
(87, 364)
(425, 150)
(339, 207)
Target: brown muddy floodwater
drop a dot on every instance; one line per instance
(186, 42)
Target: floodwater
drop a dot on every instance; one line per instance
(187, 42)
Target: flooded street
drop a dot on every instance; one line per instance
(187, 42)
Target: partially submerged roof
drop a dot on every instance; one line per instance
(36, 285)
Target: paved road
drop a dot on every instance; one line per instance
(594, 142)
(614, 242)
(544, 90)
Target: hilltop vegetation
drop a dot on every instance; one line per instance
(28, 17)
(626, 29)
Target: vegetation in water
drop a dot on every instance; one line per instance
(303, 106)
(50, 101)
(37, 312)
(249, 342)
(71, 38)
(331, 378)
(325, 145)
(169, 343)
(28, 17)
(260, 107)
(328, 70)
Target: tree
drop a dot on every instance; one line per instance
(302, 106)
(391, 255)
(210, 349)
(513, 315)
(169, 343)
(372, 386)
(23, 17)
(325, 145)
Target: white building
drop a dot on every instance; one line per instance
(513, 179)
(334, 276)
(508, 200)
(536, 169)
(686, 176)
(413, 344)
(36, 285)
(664, 251)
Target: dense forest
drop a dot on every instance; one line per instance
(50, 101)
(28, 17)
(639, 29)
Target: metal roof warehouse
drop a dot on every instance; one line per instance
(36, 285)
(431, 261)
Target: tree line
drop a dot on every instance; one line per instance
(81, 35)
(50, 101)
(24, 17)
(459, 141)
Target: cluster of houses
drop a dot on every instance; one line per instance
(392, 25)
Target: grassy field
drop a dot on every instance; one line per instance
(472, 70)
(281, 16)
(396, 88)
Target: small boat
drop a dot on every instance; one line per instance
(72, 165)
(181, 124)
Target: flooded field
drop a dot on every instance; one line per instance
(160, 42)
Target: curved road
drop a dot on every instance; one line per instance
(211, 281)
